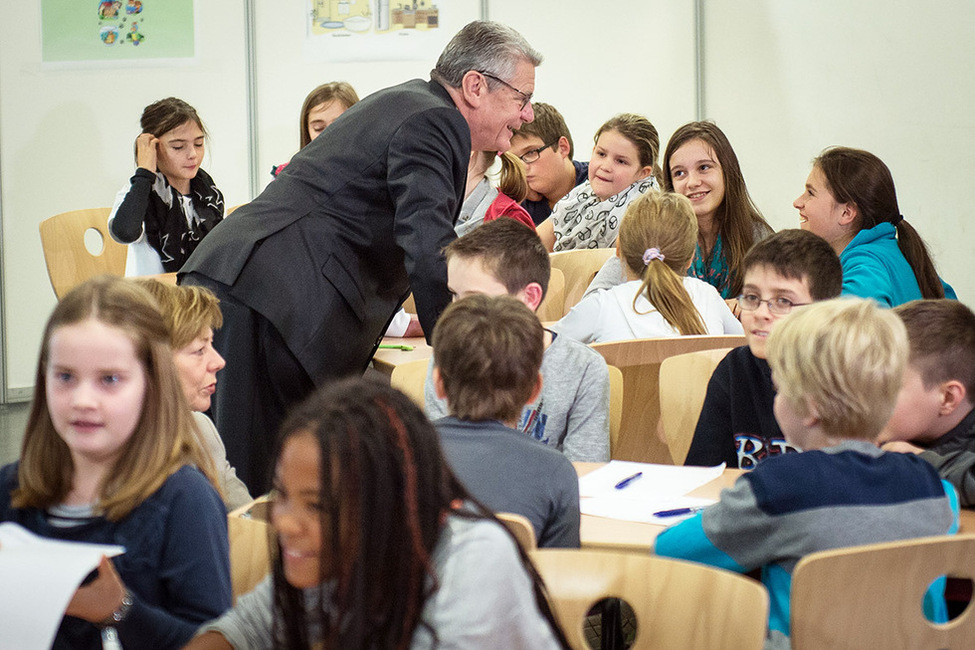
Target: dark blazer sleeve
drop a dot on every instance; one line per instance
(427, 168)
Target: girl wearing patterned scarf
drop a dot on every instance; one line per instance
(170, 204)
(622, 167)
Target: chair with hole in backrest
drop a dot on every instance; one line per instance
(551, 307)
(639, 360)
(615, 406)
(579, 267)
(683, 385)
(65, 239)
(871, 596)
(677, 604)
(521, 528)
(250, 534)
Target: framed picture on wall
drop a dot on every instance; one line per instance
(383, 30)
(79, 32)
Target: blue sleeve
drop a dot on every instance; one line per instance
(688, 541)
(935, 607)
(194, 571)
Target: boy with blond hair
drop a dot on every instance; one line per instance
(782, 273)
(571, 414)
(934, 416)
(837, 366)
(488, 354)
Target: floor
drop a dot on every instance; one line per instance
(13, 418)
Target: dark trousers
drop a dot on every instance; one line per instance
(261, 381)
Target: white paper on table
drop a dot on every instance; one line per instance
(642, 511)
(39, 577)
(658, 482)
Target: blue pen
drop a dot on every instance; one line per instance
(629, 479)
(677, 512)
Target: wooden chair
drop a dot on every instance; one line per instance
(250, 536)
(521, 528)
(870, 596)
(677, 604)
(615, 406)
(553, 305)
(639, 360)
(579, 267)
(69, 262)
(410, 378)
(683, 385)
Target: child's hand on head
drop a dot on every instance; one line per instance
(145, 151)
(97, 600)
(901, 447)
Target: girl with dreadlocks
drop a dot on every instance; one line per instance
(379, 545)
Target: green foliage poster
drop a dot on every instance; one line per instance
(116, 30)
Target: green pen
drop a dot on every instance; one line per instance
(396, 346)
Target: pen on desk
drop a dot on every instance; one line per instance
(629, 479)
(677, 512)
(396, 346)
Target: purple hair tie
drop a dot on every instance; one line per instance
(652, 254)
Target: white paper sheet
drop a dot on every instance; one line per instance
(658, 482)
(39, 577)
(613, 507)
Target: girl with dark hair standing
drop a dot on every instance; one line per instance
(850, 202)
(378, 544)
(170, 203)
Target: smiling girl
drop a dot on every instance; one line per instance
(622, 167)
(170, 203)
(377, 543)
(110, 457)
(850, 201)
(700, 164)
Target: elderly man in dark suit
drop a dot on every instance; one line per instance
(311, 271)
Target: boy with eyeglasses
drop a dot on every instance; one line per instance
(545, 146)
(781, 273)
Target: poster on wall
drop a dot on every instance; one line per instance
(383, 30)
(84, 32)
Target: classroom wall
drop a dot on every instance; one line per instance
(784, 79)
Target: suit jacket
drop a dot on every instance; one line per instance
(330, 249)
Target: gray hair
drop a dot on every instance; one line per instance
(483, 46)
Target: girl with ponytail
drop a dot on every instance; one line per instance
(656, 243)
(850, 202)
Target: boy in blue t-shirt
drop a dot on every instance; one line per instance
(935, 414)
(837, 366)
(788, 269)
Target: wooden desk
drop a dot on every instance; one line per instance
(385, 359)
(618, 535)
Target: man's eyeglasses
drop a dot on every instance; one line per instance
(777, 306)
(531, 156)
(525, 97)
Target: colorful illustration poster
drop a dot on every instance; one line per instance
(383, 30)
(116, 30)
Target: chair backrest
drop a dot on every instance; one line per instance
(521, 528)
(677, 604)
(579, 267)
(615, 406)
(249, 533)
(870, 596)
(410, 378)
(69, 263)
(552, 307)
(639, 360)
(683, 385)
